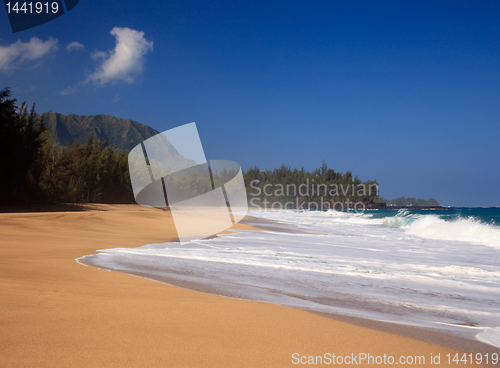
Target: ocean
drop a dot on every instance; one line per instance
(428, 268)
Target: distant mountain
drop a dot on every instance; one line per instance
(122, 133)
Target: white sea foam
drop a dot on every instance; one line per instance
(432, 226)
(470, 230)
(402, 269)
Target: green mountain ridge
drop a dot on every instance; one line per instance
(121, 133)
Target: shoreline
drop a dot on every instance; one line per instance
(425, 334)
(53, 309)
(197, 276)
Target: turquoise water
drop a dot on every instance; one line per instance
(489, 216)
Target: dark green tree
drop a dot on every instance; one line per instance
(22, 136)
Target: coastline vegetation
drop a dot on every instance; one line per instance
(294, 188)
(36, 168)
(410, 201)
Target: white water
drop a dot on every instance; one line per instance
(420, 271)
(433, 227)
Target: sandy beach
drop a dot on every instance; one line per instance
(55, 312)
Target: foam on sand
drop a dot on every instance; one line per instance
(403, 269)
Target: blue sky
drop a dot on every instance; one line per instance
(407, 94)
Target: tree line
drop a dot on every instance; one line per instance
(34, 169)
(319, 189)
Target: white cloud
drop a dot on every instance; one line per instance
(116, 98)
(70, 90)
(13, 55)
(125, 61)
(73, 46)
(96, 55)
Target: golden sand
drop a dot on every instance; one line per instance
(55, 312)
